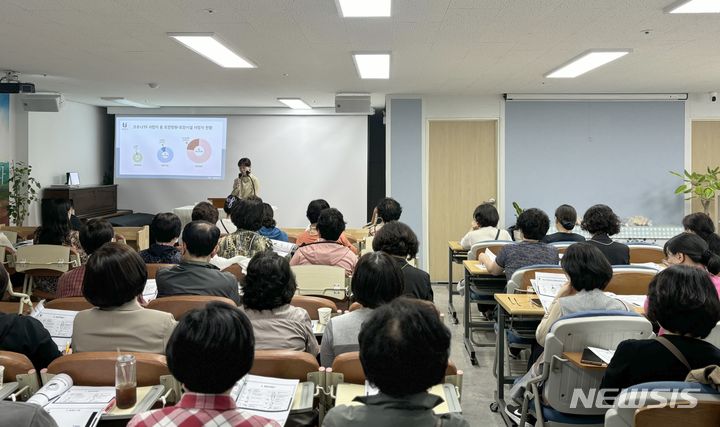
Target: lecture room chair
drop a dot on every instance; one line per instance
(179, 305)
(97, 368)
(561, 246)
(69, 303)
(625, 412)
(287, 364)
(714, 337)
(236, 271)
(11, 235)
(311, 304)
(15, 364)
(630, 280)
(493, 245)
(152, 269)
(320, 280)
(520, 280)
(640, 254)
(355, 306)
(41, 260)
(553, 402)
(348, 364)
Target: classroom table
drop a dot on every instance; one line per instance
(456, 254)
(347, 392)
(575, 357)
(484, 284)
(516, 306)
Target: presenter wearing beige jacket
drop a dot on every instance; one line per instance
(245, 185)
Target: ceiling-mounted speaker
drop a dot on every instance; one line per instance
(353, 103)
(44, 102)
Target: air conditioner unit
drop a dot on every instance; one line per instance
(45, 102)
(349, 103)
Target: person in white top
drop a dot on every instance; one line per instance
(484, 226)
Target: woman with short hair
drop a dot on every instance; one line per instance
(247, 215)
(267, 292)
(601, 222)
(115, 277)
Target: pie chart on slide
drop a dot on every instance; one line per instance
(199, 150)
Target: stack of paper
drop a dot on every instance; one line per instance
(223, 263)
(546, 286)
(264, 396)
(604, 355)
(58, 322)
(283, 248)
(636, 300)
(150, 291)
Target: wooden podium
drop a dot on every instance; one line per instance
(90, 201)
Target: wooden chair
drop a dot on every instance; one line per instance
(320, 280)
(69, 303)
(236, 271)
(152, 269)
(311, 304)
(288, 364)
(15, 364)
(137, 238)
(646, 253)
(706, 413)
(630, 280)
(179, 305)
(41, 260)
(97, 368)
(348, 364)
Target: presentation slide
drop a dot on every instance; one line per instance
(170, 147)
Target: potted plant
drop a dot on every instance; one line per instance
(702, 186)
(24, 189)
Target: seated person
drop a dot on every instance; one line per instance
(413, 333)
(269, 228)
(589, 273)
(268, 289)
(601, 222)
(247, 216)
(225, 224)
(327, 250)
(209, 352)
(25, 334)
(114, 278)
(387, 209)
(565, 219)
(195, 275)
(205, 211)
(484, 227)
(683, 300)
(377, 281)
(701, 224)
(311, 235)
(533, 224)
(25, 414)
(55, 229)
(398, 240)
(94, 234)
(164, 233)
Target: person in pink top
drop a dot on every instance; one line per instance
(327, 250)
(311, 235)
(690, 249)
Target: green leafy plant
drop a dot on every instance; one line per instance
(24, 189)
(518, 209)
(702, 186)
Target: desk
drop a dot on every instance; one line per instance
(485, 285)
(509, 305)
(456, 254)
(575, 357)
(346, 392)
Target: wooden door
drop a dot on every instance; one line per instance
(462, 173)
(705, 152)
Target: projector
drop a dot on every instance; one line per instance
(17, 87)
(353, 103)
(44, 102)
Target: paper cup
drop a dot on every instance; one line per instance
(324, 315)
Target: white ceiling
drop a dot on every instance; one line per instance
(95, 48)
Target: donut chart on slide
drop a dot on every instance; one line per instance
(199, 150)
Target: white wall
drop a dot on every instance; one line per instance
(70, 140)
(296, 158)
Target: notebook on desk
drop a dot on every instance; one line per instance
(58, 322)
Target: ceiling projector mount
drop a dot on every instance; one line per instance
(10, 83)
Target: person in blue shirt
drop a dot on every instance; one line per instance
(269, 228)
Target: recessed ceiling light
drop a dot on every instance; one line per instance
(295, 103)
(586, 62)
(127, 102)
(372, 65)
(207, 45)
(364, 8)
(694, 6)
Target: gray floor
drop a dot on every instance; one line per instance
(478, 381)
